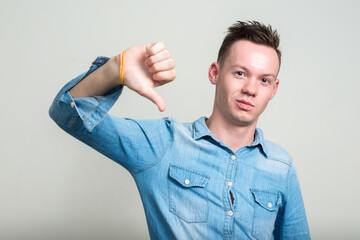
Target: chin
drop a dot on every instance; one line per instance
(243, 122)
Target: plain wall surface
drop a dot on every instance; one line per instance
(54, 187)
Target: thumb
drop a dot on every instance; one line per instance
(152, 95)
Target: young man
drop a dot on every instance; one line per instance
(215, 178)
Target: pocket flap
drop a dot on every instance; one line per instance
(188, 178)
(267, 200)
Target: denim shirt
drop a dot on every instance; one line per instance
(192, 185)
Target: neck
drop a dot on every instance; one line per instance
(234, 136)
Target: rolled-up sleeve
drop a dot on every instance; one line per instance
(134, 144)
(91, 109)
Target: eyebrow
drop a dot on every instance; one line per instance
(246, 69)
(269, 75)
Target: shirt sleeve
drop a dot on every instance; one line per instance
(135, 144)
(292, 222)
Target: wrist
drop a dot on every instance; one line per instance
(116, 70)
(122, 63)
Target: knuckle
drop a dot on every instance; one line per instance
(161, 76)
(172, 63)
(156, 47)
(157, 77)
(151, 50)
(154, 68)
(173, 74)
(151, 60)
(167, 53)
(161, 45)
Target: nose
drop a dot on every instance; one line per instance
(250, 87)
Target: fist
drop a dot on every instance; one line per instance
(146, 67)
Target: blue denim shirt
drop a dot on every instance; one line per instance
(186, 177)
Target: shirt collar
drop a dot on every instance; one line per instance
(259, 140)
(200, 130)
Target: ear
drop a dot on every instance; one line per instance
(277, 81)
(213, 72)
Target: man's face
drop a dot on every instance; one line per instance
(245, 82)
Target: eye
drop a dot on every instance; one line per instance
(240, 73)
(265, 80)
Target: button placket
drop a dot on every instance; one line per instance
(229, 201)
(229, 196)
(229, 181)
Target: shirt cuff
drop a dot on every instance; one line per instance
(90, 109)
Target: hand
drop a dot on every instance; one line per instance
(146, 67)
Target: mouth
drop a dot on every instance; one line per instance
(245, 105)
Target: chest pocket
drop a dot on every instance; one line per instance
(187, 194)
(266, 207)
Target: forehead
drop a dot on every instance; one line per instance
(252, 56)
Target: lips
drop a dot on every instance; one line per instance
(245, 105)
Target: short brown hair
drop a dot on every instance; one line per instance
(253, 31)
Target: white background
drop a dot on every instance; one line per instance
(54, 187)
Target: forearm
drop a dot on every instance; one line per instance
(87, 119)
(100, 82)
(145, 67)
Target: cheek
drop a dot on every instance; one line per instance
(264, 100)
(222, 90)
(227, 89)
(232, 88)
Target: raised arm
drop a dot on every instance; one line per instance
(145, 67)
(81, 107)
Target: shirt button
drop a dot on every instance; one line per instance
(233, 157)
(187, 181)
(229, 183)
(72, 104)
(270, 205)
(230, 213)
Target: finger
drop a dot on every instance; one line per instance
(165, 76)
(154, 48)
(165, 65)
(158, 57)
(155, 98)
